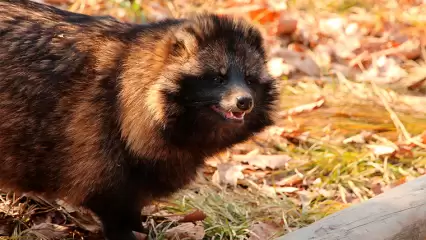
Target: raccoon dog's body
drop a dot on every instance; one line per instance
(110, 115)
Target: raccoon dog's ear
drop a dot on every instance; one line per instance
(185, 40)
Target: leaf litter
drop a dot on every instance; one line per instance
(351, 123)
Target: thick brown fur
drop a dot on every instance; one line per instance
(110, 115)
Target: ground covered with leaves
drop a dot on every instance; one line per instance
(352, 123)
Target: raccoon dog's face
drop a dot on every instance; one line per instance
(232, 89)
(225, 91)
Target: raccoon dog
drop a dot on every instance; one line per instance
(110, 115)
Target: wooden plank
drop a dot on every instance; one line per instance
(397, 214)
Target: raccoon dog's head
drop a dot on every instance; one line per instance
(213, 90)
(224, 93)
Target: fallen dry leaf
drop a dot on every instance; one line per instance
(304, 108)
(81, 217)
(197, 215)
(193, 231)
(347, 71)
(55, 217)
(410, 49)
(381, 150)
(228, 173)
(360, 138)
(297, 47)
(261, 13)
(377, 188)
(277, 67)
(288, 181)
(286, 25)
(352, 29)
(286, 189)
(423, 137)
(49, 230)
(302, 61)
(398, 182)
(263, 161)
(264, 15)
(268, 190)
(332, 26)
(404, 150)
(383, 70)
(344, 48)
(295, 136)
(263, 231)
(326, 193)
(323, 55)
(156, 10)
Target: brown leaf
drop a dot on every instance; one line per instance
(264, 15)
(416, 85)
(323, 55)
(304, 108)
(297, 47)
(332, 26)
(261, 13)
(344, 49)
(423, 137)
(263, 231)
(289, 181)
(49, 230)
(361, 138)
(55, 217)
(186, 231)
(228, 173)
(410, 49)
(277, 67)
(398, 182)
(383, 70)
(377, 189)
(381, 150)
(197, 215)
(344, 69)
(81, 217)
(302, 61)
(156, 11)
(405, 150)
(292, 133)
(268, 190)
(10, 209)
(264, 161)
(286, 25)
(286, 189)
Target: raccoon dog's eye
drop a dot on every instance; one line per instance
(221, 79)
(249, 80)
(221, 76)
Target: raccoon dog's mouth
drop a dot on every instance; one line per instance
(229, 115)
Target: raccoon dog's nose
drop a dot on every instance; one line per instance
(244, 102)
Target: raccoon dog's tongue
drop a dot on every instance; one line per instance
(229, 114)
(237, 115)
